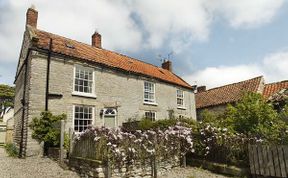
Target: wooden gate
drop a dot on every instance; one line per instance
(2, 133)
(268, 161)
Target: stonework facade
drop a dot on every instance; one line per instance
(113, 89)
(121, 91)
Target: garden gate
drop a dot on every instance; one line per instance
(269, 160)
(2, 133)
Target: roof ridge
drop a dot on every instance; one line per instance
(261, 76)
(283, 81)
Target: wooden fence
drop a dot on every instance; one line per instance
(268, 161)
(85, 148)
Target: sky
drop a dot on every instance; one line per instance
(210, 42)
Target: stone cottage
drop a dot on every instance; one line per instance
(216, 99)
(91, 85)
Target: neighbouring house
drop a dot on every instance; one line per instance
(216, 99)
(91, 85)
(8, 114)
(277, 93)
(7, 126)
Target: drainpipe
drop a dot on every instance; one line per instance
(48, 74)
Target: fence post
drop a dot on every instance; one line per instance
(183, 160)
(62, 141)
(154, 167)
(71, 135)
(108, 169)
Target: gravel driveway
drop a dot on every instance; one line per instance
(190, 172)
(37, 167)
(31, 168)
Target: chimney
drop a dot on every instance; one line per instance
(31, 17)
(167, 65)
(201, 89)
(96, 40)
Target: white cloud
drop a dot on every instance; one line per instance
(178, 22)
(247, 13)
(273, 67)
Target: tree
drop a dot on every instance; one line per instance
(254, 117)
(280, 102)
(7, 94)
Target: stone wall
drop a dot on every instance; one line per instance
(113, 89)
(94, 168)
(219, 109)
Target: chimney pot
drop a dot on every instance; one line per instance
(167, 65)
(96, 40)
(201, 89)
(32, 17)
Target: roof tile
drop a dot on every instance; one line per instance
(272, 88)
(84, 51)
(228, 93)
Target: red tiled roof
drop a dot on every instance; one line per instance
(103, 56)
(272, 88)
(228, 93)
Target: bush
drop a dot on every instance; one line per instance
(47, 129)
(122, 147)
(254, 117)
(146, 124)
(11, 149)
(224, 138)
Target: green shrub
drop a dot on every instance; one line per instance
(146, 124)
(11, 149)
(254, 117)
(47, 128)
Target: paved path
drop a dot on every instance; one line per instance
(31, 168)
(190, 172)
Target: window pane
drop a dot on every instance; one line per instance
(82, 117)
(83, 80)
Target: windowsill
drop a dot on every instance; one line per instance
(87, 95)
(181, 107)
(149, 103)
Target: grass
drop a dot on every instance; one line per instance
(11, 150)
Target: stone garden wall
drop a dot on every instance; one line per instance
(94, 168)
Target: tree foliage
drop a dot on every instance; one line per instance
(7, 94)
(47, 128)
(253, 117)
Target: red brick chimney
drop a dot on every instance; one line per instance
(96, 40)
(167, 65)
(201, 89)
(32, 17)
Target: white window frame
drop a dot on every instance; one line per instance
(79, 105)
(155, 113)
(77, 93)
(182, 98)
(115, 115)
(153, 102)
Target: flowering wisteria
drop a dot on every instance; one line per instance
(120, 147)
(220, 144)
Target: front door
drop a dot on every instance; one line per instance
(110, 121)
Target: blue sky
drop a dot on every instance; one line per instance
(213, 42)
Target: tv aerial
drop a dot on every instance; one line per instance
(166, 57)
